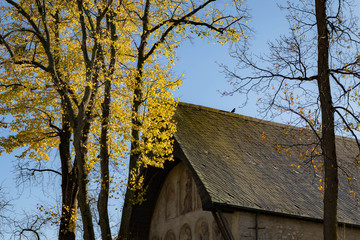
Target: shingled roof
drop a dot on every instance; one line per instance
(246, 163)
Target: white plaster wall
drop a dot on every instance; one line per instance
(273, 228)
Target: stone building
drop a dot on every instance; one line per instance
(236, 177)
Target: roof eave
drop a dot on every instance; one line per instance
(224, 207)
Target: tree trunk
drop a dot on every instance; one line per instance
(81, 126)
(124, 231)
(68, 219)
(81, 132)
(104, 167)
(104, 149)
(80, 144)
(328, 129)
(69, 187)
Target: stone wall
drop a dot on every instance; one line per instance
(178, 215)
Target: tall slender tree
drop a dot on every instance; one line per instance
(315, 90)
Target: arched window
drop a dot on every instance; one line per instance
(202, 230)
(170, 235)
(185, 233)
(170, 201)
(185, 192)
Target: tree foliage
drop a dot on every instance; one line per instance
(93, 80)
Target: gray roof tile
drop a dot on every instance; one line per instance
(237, 161)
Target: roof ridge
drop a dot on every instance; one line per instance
(223, 112)
(256, 120)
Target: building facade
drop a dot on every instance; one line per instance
(240, 178)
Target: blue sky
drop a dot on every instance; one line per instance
(198, 61)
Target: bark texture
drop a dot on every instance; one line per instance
(69, 187)
(328, 129)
